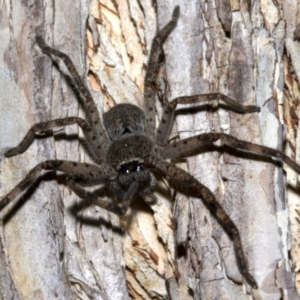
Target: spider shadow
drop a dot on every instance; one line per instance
(140, 203)
(250, 156)
(60, 135)
(17, 204)
(224, 149)
(203, 108)
(77, 209)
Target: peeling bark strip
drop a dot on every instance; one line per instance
(228, 47)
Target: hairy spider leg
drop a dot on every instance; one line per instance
(167, 120)
(192, 187)
(156, 55)
(77, 172)
(46, 128)
(185, 147)
(100, 135)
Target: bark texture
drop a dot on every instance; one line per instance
(170, 248)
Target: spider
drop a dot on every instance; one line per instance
(130, 151)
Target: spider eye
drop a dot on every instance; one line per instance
(125, 170)
(139, 168)
(131, 168)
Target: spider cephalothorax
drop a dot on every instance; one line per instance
(129, 151)
(130, 147)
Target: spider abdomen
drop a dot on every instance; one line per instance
(124, 119)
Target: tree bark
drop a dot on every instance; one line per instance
(170, 248)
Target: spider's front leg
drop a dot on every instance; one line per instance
(96, 130)
(153, 66)
(188, 185)
(79, 174)
(83, 172)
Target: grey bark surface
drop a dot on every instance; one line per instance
(170, 249)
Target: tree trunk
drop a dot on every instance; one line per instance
(53, 248)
